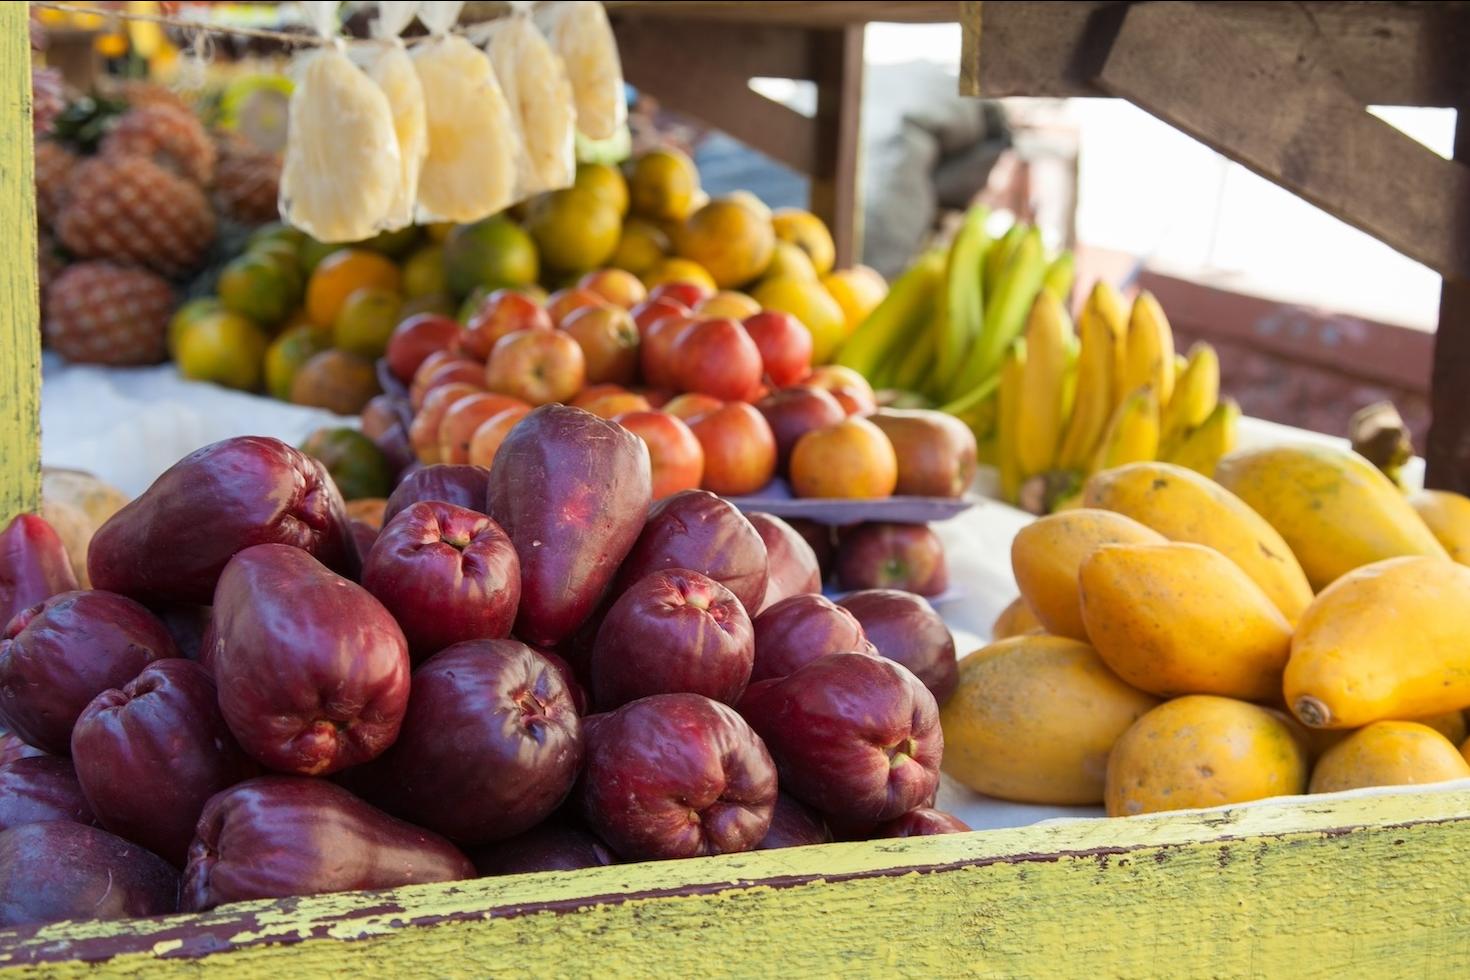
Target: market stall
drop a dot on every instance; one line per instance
(1224, 864)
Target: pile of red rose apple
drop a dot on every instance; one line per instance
(723, 392)
(530, 667)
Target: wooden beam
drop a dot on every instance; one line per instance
(1290, 120)
(970, 12)
(717, 91)
(795, 13)
(1318, 886)
(836, 198)
(760, 50)
(1390, 53)
(1447, 450)
(20, 338)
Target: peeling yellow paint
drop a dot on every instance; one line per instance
(1327, 887)
(20, 339)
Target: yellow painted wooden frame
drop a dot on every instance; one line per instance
(1336, 887)
(1372, 885)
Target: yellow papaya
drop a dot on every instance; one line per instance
(1203, 751)
(1046, 554)
(1448, 516)
(1389, 753)
(1335, 509)
(1182, 505)
(1180, 618)
(1034, 718)
(1390, 640)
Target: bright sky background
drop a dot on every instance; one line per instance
(1148, 189)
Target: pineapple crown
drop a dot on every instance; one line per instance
(85, 120)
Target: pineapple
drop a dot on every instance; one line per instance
(54, 165)
(48, 98)
(170, 137)
(131, 209)
(104, 313)
(246, 181)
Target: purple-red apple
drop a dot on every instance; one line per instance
(550, 847)
(793, 412)
(41, 788)
(706, 534)
(33, 565)
(13, 747)
(881, 555)
(820, 537)
(447, 574)
(149, 756)
(59, 870)
(854, 736)
(312, 670)
(675, 776)
(58, 656)
(572, 491)
(922, 822)
(794, 824)
(172, 543)
(672, 631)
(458, 484)
(282, 836)
(906, 629)
(799, 629)
(791, 561)
(490, 746)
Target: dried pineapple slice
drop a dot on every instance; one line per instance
(387, 63)
(580, 33)
(470, 171)
(341, 170)
(540, 98)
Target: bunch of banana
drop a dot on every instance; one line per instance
(944, 330)
(1110, 393)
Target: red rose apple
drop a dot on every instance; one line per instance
(880, 555)
(792, 563)
(696, 530)
(923, 822)
(674, 776)
(800, 629)
(906, 629)
(794, 824)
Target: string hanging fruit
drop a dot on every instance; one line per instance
(470, 170)
(342, 168)
(540, 98)
(581, 35)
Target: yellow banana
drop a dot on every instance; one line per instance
(1005, 313)
(1132, 435)
(1195, 393)
(1060, 274)
(1180, 363)
(1101, 330)
(999, 255)
(962, 304)
(1048, 341)
(1007, 421)
(901, 314)
(1202, 448)
(1148, 357)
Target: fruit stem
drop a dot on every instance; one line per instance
(1312, 712)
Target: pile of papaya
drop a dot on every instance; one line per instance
(1298, 624)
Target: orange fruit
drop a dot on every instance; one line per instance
(788, 260)
(575, 229)
(341, 274)
(424, 273)
(663, 184)
(852, 460)
(222, 347)
(606, 182)
(858, 291)
(678, 270)
(641, 247)
(810, 303)
(731, 240)
(291, 349)
(337, 381)
(262, 286)
(806, 231)
(366, 321)
(493, 253)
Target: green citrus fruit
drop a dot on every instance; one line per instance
(261, 286)
(187, 315)
(424, 273)
(293, 348)
(575, 229)
(222, 347)
(494, 253)
(357, 465)
(366, 321)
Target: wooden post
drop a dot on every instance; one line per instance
(837, 56)
(20, 339)
(1447, 451)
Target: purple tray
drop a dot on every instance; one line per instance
(776, 499)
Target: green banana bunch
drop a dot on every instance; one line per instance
(1005, 312)
(902, 313)
(999, 255)
(962, 306)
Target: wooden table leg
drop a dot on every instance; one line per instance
(1447, 451)
(20, 339)
(837, 56)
